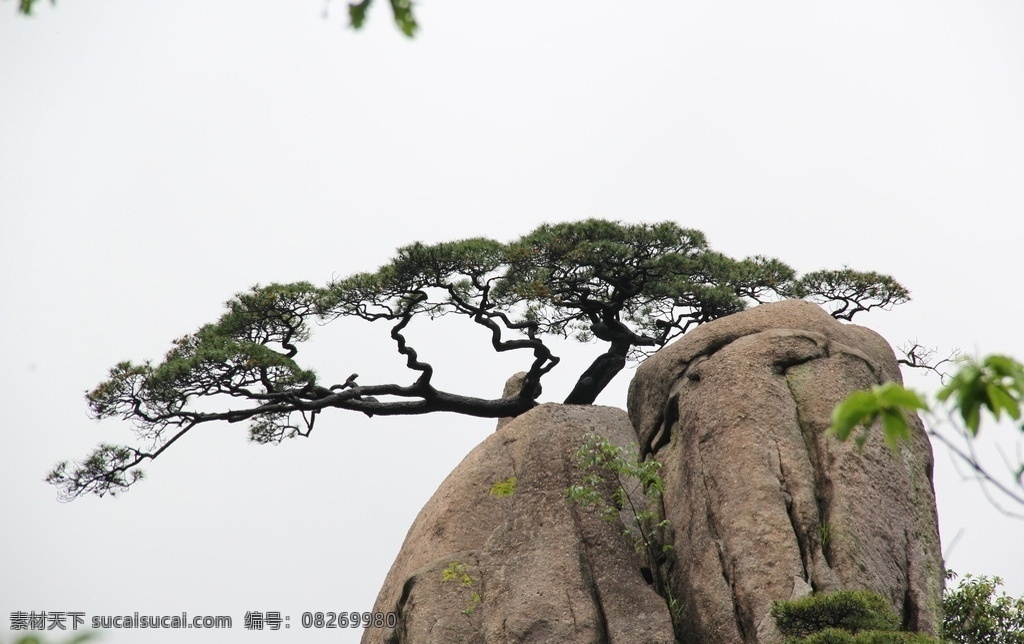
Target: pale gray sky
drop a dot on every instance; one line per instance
(157, 157)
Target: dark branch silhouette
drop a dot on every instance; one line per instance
(631, 288)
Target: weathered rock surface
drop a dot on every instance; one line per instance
(537, 568)
(763, 505)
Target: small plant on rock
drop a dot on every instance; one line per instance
(613, 478)
(502, 489)
(459, 572)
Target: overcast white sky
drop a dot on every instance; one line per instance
(157, 157)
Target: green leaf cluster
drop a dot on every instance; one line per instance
(400, 9)
(606, 464)
(891, 402)
(995, 383)
(976, 612)
(842, 617)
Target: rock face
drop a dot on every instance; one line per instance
(763, 505)
(528, 567)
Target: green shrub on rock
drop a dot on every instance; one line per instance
(849, 610)
(842, 617)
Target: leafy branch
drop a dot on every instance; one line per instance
(401, 10)
(975, 611)
(994, 384)
(613, 478)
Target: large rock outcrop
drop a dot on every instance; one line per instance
(537, 568)
(762, 504)
(766, 506)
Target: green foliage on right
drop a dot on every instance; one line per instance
(975, 613)
(842, 617)
(890, 402)
(995, 383)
